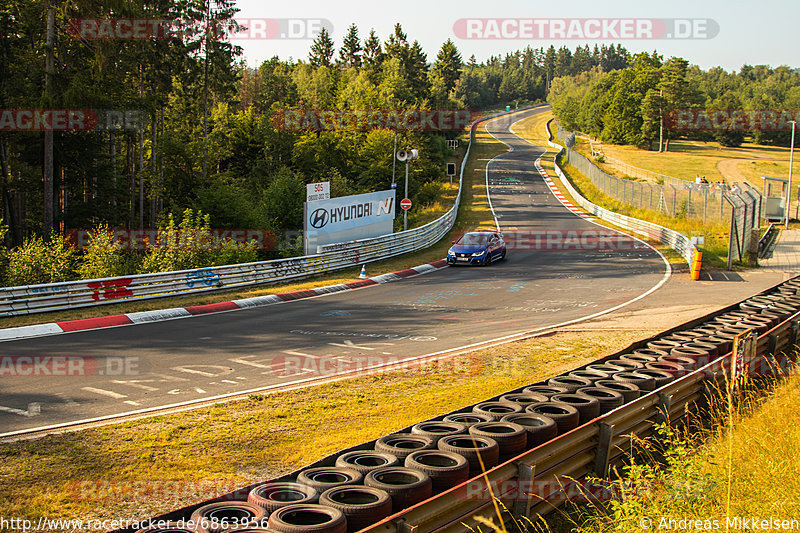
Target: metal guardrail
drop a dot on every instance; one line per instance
(767, 241)
(680, 243)
(596, 446)
(30, 299)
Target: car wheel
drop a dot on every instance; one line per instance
(488, 259)
(503, 255)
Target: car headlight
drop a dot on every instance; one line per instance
(478, 254)
(450, 252)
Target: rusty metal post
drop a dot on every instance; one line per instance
(602, 458)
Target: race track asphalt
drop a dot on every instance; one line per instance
(560, 267)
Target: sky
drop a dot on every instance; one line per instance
(762, 32)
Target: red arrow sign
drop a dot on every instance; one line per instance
(405, 203)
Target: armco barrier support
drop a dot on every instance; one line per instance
(677, 241)
(29, 299)
(596, 446)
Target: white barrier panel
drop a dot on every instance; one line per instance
(348, 218)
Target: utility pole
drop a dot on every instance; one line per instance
(791, 164)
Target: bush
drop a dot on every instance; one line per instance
(235, 252)
(104, 258)
(179, 246)
(37, 262)
(189, 244)
(430, 193)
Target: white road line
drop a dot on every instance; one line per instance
(103, 392)
(34, 409)
(131, 402)
(135, 385)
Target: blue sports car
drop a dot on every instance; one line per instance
(477, 248)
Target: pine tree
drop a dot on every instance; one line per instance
(397, 45)
(448, 65)
(321, 50)
(350, 53)
(373, 54)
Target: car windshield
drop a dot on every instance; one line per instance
(474, 239)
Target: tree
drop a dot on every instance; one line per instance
(676, 91)
(321, 53)
(283, 201)
(373, 54)
(448, 65)
(350, 52)
(396, 46)
(416, 68)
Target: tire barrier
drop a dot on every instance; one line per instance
(366, 461)
(557, 441)
(273, 496)
(446, 469)
(406, 486)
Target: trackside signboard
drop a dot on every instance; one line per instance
(348, 218)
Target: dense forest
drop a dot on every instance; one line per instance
(205, 151)
(626, 106)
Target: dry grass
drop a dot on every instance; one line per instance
(748, 469)
(138, 469)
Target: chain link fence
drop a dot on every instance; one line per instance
(739, 204)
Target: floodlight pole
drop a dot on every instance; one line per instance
(394, 159)
(405, 211)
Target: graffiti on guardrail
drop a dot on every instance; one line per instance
(47, 289)
(318, 265)
(110, 289)
(205, 277)
(370, 251)
(289, 267)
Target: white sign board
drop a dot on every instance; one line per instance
(318, 191)
(348, 218)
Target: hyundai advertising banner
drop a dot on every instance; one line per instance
(348, 218)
